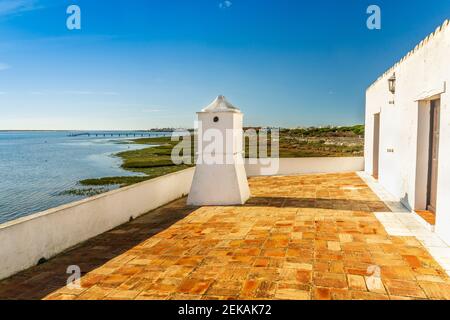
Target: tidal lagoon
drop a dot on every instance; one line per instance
(38, 169)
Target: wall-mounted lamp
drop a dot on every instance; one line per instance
(392, 82)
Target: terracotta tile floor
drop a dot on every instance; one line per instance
(299, 237)
(428, 216)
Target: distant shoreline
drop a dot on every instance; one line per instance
(153, 161)
(97, 130)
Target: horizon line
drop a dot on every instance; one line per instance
(176, 128)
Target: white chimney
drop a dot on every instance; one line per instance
(220, 177)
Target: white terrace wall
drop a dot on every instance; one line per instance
(422, 75)
(43, 235)
(293, 166)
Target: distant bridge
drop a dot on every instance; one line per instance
(118, 134)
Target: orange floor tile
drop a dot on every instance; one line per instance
(299, 237)
(428, 216)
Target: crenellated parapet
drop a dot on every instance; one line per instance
(418, 47)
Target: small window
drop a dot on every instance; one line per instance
(216, 119)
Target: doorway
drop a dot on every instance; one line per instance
(433, 155)
(376, 145)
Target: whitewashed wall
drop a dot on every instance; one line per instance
(293, 166)
(422, 75)
(43, 235)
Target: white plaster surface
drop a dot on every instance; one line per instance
(294, 166)
(422, 75)
(220, 177)
(43, 235)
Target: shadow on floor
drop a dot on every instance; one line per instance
(316, 203)
(40, 281)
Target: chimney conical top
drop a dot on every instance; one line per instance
(220, 104)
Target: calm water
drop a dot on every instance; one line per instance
(35, 167)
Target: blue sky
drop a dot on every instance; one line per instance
(139, 64)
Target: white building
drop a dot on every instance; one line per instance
(408, 129)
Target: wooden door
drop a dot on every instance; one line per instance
(376, 145)
(434, 154)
